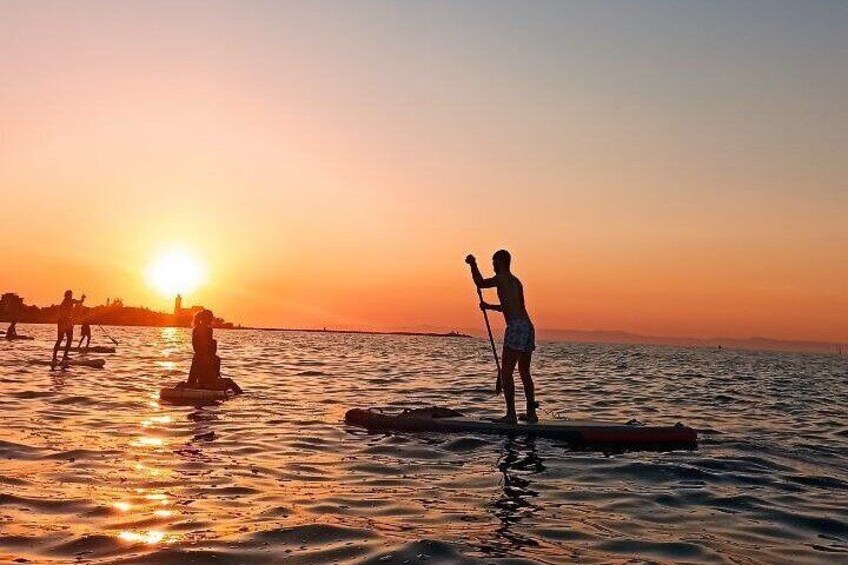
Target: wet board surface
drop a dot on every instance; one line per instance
(73, 362)
(575, 431)
(19, 338)
(180, 395)
(93, 349)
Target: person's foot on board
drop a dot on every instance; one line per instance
(529, 417)
(508, 419)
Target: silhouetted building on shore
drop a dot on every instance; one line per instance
(113, 313)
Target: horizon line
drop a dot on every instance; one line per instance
(425, 329)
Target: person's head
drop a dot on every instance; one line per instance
(199, 319)
(69, 294)
(501, 260)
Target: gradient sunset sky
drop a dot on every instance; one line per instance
(672, 168)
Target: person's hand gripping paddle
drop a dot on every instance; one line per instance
(472, 262)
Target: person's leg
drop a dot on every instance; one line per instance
(508, 361)
(193, 373)
(59, 336)
(206, 376)
(230, 384)
(87, 340)
(69, 339)
(529, 389)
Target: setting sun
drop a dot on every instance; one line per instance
(175, 272)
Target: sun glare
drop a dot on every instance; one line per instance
(175, 272)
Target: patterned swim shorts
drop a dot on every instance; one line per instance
(520, 335)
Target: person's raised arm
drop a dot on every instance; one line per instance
(478, 276)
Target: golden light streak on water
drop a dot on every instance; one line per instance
(147, 470)
(147, 441)
(149, 537)
(159, 498)
(153, 420)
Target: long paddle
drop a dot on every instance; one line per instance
(498, 386)
(107, 335)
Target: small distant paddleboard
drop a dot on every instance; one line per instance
(72, 362)
(444, 420)
(18, 338)
(93, 349)
(180, 395)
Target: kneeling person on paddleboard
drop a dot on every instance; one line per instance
(520, 335)
(205, 372)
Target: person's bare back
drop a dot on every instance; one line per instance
(511, 296)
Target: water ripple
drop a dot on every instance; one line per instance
(93, 468)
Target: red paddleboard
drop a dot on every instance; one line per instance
(443, 420)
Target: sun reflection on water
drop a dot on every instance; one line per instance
(159, 497)
(146, 423)
(151, 472)
(149, 537)
(171, 335)
(148, 441)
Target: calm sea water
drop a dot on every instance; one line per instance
(94, 470)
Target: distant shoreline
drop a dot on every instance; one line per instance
(562, 336)
(359, 332)
(451, 334)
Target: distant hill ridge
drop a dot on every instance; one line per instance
(755, 343)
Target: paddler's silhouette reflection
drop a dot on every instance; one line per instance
(517, 464)
(57, 381)
(202, 432)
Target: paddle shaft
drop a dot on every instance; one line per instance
(107, 335)
(492, 343)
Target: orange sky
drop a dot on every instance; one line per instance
(664, 171)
